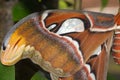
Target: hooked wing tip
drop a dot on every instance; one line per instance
(11, 55)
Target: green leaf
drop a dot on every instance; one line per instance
(39, 76)
(111, 77)
(103, 4)
(19, 11)
(7, 73)
(62, 4)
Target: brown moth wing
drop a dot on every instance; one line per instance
(98, 64)
(117, 18)
(98, 67)
(89, 41)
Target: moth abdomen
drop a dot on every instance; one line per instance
(116, 48)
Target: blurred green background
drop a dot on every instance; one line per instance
(17, 9)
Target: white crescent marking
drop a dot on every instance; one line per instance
(51, 26)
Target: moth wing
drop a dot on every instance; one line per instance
(95, 67)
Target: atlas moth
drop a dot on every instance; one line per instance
(70, 45)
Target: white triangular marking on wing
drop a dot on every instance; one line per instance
(97, 51)
(71, 25)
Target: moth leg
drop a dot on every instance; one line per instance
(54, 77)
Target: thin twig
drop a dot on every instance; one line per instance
(78, 4)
